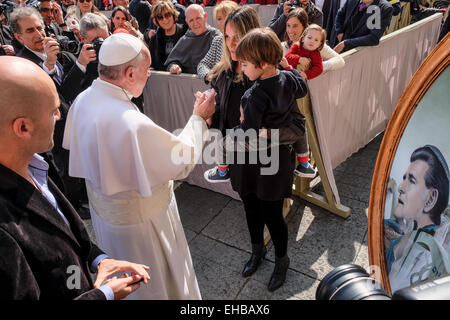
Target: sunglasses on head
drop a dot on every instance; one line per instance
(166, 15)
(81, 1)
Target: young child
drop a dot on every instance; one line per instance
(271, 101)
(311, 42)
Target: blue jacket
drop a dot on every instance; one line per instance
(362, 35)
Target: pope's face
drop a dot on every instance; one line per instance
(142, 73)
(412, 191)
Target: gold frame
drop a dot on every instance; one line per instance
(434, 64)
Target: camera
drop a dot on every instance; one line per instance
(96, 45)
(295, 4)
(6, 7)
(65, 44)
(352, 282)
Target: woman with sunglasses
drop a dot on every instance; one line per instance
(167, 35)
(121, 18)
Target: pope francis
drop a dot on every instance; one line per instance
(128, 163)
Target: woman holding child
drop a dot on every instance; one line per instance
(296, 24)
(262, 195)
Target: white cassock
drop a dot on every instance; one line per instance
(129, 163)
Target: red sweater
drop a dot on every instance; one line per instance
(296, 52)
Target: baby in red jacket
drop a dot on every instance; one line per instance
(311, 42)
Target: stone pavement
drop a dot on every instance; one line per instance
(319, 241)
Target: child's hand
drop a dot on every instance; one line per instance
(284, 63)
(304, 76)
(242, 114)
(305, 62)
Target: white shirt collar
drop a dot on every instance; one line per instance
(41, 55)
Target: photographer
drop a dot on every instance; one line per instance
(278, 22)
(6, 47)
(5, 41)
(93, 30)
(67, 73)
(52, 15)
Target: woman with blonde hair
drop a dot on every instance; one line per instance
(262, 195)
(215, 51)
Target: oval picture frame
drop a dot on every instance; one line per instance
(430, 69)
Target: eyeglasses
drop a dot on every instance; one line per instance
(167, 15)
(81, 1)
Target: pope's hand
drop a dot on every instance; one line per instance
(204, 105)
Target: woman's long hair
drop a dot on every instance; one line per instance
(244, 18)
(125, 13)
(302, 16)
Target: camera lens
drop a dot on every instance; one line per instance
(350, 282)
(67, 45)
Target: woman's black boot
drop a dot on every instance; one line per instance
(258, 253)
(279, 273)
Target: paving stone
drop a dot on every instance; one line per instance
(362, 258)
(197, 206)
(189, 234)
(230, 226)
(216, 281)
(230, 257)
(320, 242)
(297, 285)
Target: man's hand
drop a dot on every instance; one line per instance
(204, 106)
(287, 7)
(340, 46)
(57, 13)
(108, 267)
(86, 55)
(339, 37)
(9, 50)
(51, 48)
(175, 69)
(124, 285)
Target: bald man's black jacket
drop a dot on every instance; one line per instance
(40, 256)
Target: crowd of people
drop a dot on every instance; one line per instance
(76, 144)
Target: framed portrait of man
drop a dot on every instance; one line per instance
(409, 210)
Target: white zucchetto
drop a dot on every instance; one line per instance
(119, 48)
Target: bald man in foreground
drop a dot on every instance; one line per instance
(45, 250)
